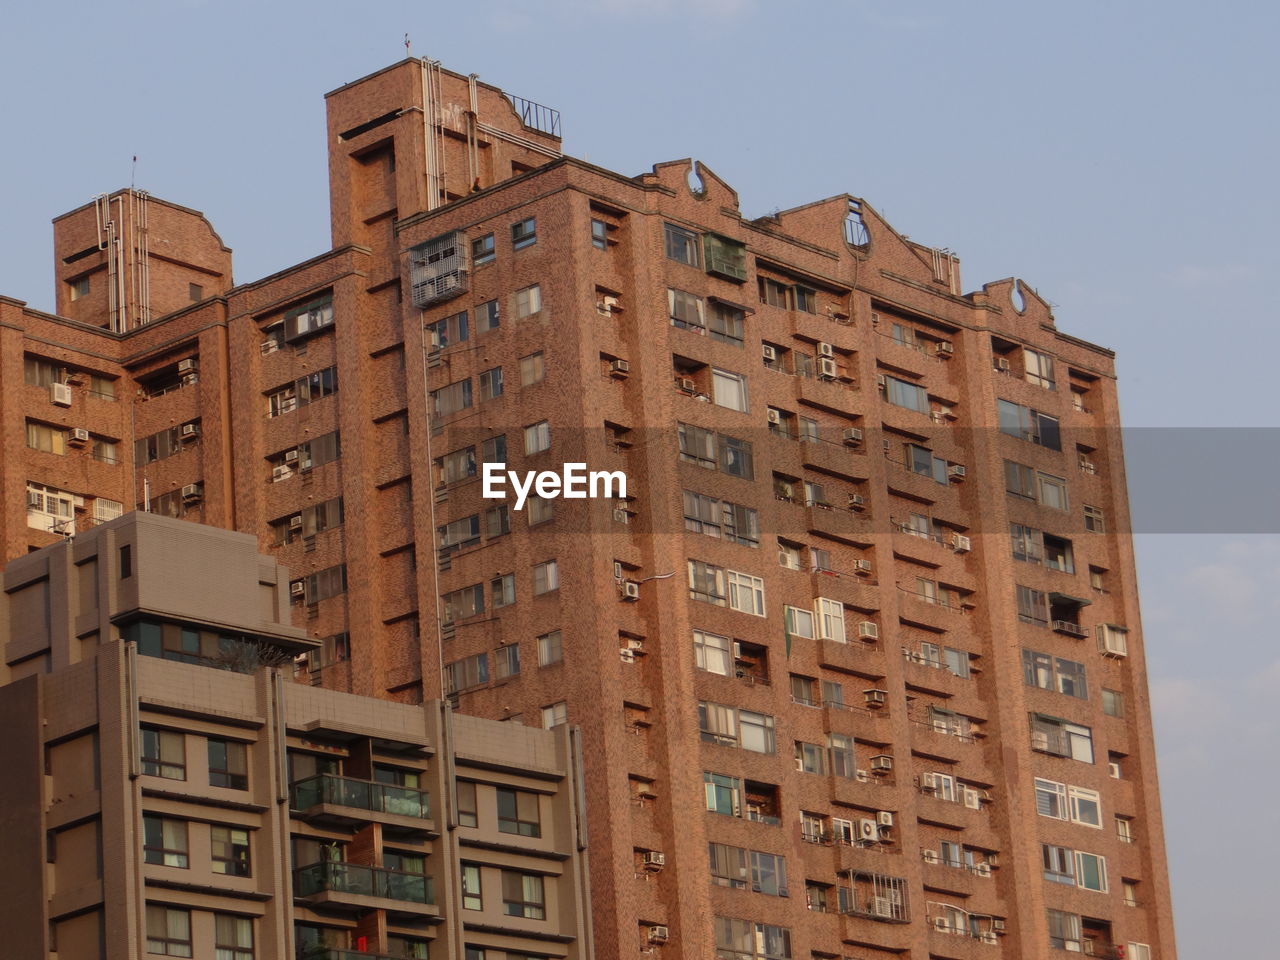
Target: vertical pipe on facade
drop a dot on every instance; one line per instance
(431, 509)
(428, 136)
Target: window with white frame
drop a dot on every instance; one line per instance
(537, 437)
(799, 622)
(555, 715)
(713, 653)
(729, 389)
(528, 301)
(546, 577)
(680, 245)
(830, 620)
(550, 648)
(746, 593)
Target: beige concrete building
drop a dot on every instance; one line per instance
(858, 663)
(157, 805)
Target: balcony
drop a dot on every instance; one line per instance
(326, 798)
(339, 953)
(1069, 628)
(836, 523)
(356, 887)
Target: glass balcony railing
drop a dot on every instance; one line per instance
(363, 881)
(361, 794)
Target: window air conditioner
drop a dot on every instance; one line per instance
(882, 763)
(775, 416)
(188, 365)
(972, 799)
(1039, 740)
(1002, 364)
(189, 431)
(862, 567)
(297, 588)
(955, 472)
(961, 544)
(282, 472)
(60, 393)
(290, 456)
(627, 656)
(655, 859)
(658, 933)
(944, 348)
(192, 492)
(770, 353)
(295, 522)
(827, 369)
(987, 936)
(940, 923)
(825, 350)
(875, 699)
(852, 436)
(931, 856)
(687, 385)
(982, 869)
(269, 346)
(868, 630)
(880, 907)
(78, 437)
(620, 369)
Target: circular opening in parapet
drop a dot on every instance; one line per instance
(696, 185)
(1016, 296)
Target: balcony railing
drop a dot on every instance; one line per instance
(1069, 628)
(360, 794)
(362, 881)
(339, 953)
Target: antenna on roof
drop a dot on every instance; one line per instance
(133, 172)
(408, 47)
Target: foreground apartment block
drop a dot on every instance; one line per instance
(169, 792)
(856, 660)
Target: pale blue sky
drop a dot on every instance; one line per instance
(1119, 157)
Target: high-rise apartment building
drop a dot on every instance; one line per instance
(157, 806)
(857, 660)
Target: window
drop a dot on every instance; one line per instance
(1058, 863)
(550, 649)
(160, 445)
(1094, 520)
(799, 622)
(411, 948)
(228, 764)
(168, 931)
(1027, 424)
(706, 583)
(1137, 951)
(1061, 738)
(722, 793)
(449, 400)
(555, 715)
(922, 461)
(681, 245)
(747, 940)
(466, 673)
(1033, 605)
(1039, 368)
(729, 390)
(546, 577)
(831, 620)
(1130, 891)
(720, 518)
(308, 318)
(164, 841)
(1124, 829)
(833, 693)
(1051, 799)
(726, 324)
(229, 851)
(1063, 802)
(537, 437)
(804, 690)
(447, 331)
(324, 584)
(599, 234)
(315, 386)
(457, 534)
(528, 301)
(164, 754)
(471, 899)
(727, 725)
(524, 233)
(80, 287)
(840, 750)
(518, 813)
(467, 810)
(1086, 806)
(487, 316)
(746, 593)
(713, 653)
(728, 865)
(42, 373)
(903, 394)
(490, 383)
(775, 293)
(1054, 673)
(506, 661)
(768, 873)
(46, 439)
(458, 465)
(1064, 930)
(806, 299)
(531, 369)
(1091, 872)
(1112, 703)
(463, 603)
(522, 895)
(482, 249)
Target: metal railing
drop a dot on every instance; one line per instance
(535, 116)
(361, 794)
(363, 881)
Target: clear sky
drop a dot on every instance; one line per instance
(1121, 158)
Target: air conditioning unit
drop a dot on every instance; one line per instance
(940, 923)
(827, 369)
(944, 348)
(281, 472)
(955, 472)
(857, 501)
(882, 763)
(635, 644)
(60, 393)
(620, 369)
(881, 382)
(1114, 770)
(297, 589)
(658, 933)
(295, 522)
(961, 544)
(862, 567)
(687, 385)
(944, 413)
(997, 924)
(654, 859)
(1002, 364)
(862, 776)
(880, 907)
(982, 869)
(774, 416)
(931, 856)
(875, 698)
(868, 630)
(824, 350)
(35, 501)
(626, 655)
(1039, 740)
(78, 436)
(972, 799)
(192, 492)
(770, 353)
(852, 436)
(1112, 641)
(607, 305)
(269, 347)
(987, 936)
(867, 830)
(189, 365)
(630, 591)
(290, 456)
(189, 431)
(884, 818)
